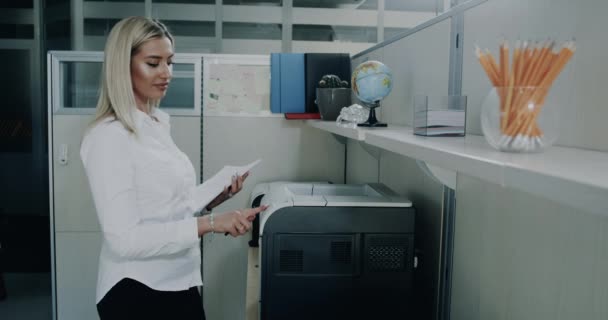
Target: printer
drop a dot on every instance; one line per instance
(330, 251)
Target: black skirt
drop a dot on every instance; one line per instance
(130, 299)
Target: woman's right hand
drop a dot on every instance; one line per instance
(237, 222)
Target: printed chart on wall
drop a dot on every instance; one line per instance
(236, 86)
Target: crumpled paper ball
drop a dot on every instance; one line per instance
(351, 116)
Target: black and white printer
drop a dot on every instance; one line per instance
(332, 251)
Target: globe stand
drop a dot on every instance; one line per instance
(372, 121)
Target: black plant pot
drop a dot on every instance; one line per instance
(331, 101)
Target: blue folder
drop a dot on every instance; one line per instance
(275, 82)
(287, 83)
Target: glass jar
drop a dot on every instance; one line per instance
(518, 119)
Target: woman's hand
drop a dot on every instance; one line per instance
(237, 222)
(229, 192)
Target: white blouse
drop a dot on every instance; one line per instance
(144, 189)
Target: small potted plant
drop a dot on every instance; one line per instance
(333, 94)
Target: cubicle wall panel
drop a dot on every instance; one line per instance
(404, 176)
(361, 166)
(73, 209)
(185, 132)
(518, 256)
(77, 256)
(377, 54)
(576, 95)
(420, 64)
(290, 151)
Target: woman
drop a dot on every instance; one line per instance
(144, 187)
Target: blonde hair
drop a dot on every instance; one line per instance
(116, 98)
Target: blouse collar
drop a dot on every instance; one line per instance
(139, 117)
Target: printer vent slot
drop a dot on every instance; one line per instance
(341, 252)
(387, 253)
(291, 261)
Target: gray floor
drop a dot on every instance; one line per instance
(29, 297)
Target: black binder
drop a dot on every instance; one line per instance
(319, 64)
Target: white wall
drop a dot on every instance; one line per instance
(578, 90)
(518, 256)
(420, 65)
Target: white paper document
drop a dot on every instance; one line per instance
(212, 187)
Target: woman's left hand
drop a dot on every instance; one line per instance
(229, 192)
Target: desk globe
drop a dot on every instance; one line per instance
(372, 81)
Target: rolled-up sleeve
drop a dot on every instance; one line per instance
(110, 170)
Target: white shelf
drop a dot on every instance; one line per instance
(330, 126)
(571, 176)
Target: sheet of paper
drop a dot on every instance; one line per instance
(208, 190)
